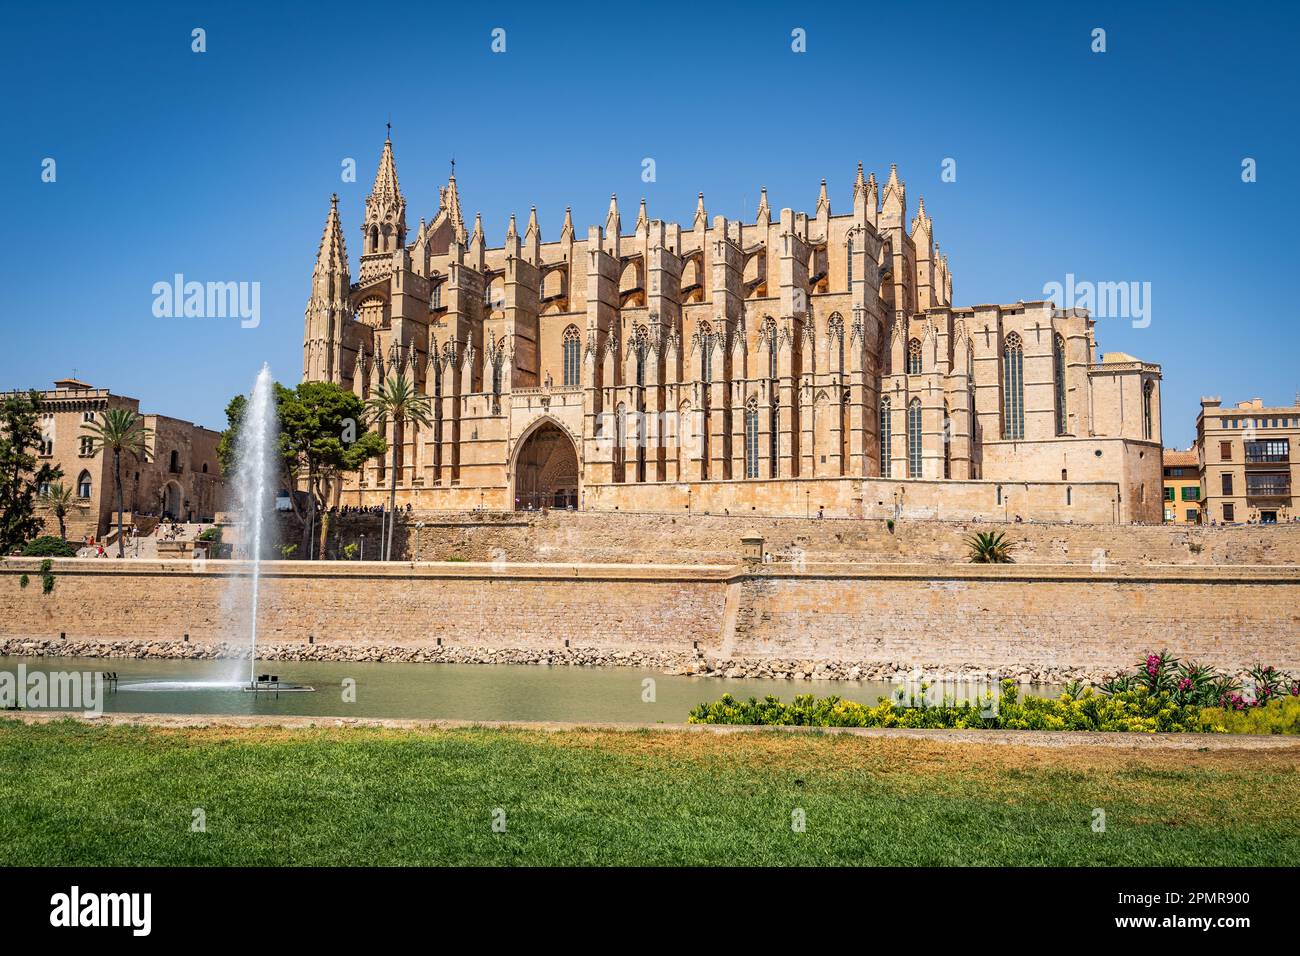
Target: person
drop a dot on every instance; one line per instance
(100, 553)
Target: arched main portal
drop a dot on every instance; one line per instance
(172, 501)
(546, 470)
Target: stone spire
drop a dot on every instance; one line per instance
(894, 203)
(701, 217)
(533, 238)
(613, 225)
(566, 231)
(332, 256)
(922, 225)
(328, 307)
(860, 196)
(822, 201)
(384, 227)
(642, 219)
(451, 202)
(764, 213)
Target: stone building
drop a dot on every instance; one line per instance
(799, 363)
(1247, 469)
(1182, 482)
(182, 479)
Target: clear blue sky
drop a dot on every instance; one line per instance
(1122, 166)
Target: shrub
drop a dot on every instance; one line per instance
(288, 550)
(1135, 711)
(1278, 716)
(350, 551)
(212, 534)
(49, 545)
(989, 547)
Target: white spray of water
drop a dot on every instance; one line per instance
(255, 479)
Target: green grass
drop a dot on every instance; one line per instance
(90, 795)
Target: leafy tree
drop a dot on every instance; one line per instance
(398, 399)
(321, 441)
(121, 432)
(48, 546)
(20, 478)
(58, 497)
(989, 547)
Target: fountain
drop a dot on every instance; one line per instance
(256, 479)
(253, 488)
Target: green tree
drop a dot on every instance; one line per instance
(58, 498)
(321, 440)
(20, 477)
(121, 432)
(400, 400)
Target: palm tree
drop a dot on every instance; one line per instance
(397, 398)
(58, 497)
(120, 431)
(989, 547)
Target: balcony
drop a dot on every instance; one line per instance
(1269, 452)
(1268, 486)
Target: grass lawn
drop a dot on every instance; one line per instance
(73, 793)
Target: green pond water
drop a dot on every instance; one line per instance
(457, 691)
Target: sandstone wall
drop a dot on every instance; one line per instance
(1059, 617)
(715, 539)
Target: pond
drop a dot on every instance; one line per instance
(454, 691)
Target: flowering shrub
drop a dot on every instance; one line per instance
(1203, 686)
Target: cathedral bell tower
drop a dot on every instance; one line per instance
(384, 228)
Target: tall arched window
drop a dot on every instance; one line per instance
(850, 260)
(1147, 424)
(947, 442)
(769, 333)
(913, 357)
(83, 485)
(886, 436)
(1013, 388)
(1058, 369)
(914, 439)
(620, 441)
(751, 438)
(706, 352)
(640, 347)
(572, 357)
(835, 329)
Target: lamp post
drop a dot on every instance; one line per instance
(415, 555)
(363, 548)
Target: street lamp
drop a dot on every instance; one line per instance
(363, 548)
(415, 555)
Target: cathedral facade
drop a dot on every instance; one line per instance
(797, 364)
